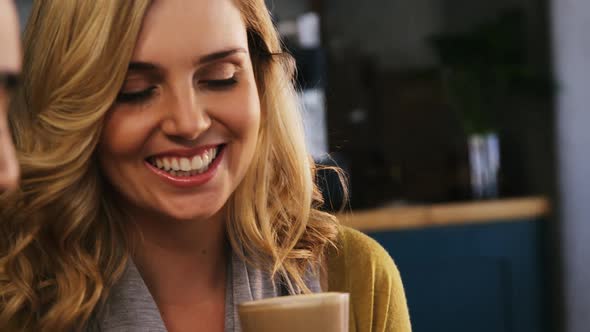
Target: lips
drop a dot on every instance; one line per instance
(187, 168)
(185, 165)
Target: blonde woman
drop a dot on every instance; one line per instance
(165, 178)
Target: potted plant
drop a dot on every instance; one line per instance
(481, 70)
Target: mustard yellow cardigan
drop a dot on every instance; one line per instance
(364, 269)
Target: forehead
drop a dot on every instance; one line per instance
(177, 29)
(9, 37)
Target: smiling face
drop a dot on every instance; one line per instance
(183, 131)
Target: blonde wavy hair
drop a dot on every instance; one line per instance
(63, 244)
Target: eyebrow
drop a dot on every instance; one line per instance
(219, 55)
(150, 67)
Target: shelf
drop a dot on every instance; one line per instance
(424, 216)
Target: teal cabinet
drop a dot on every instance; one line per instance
(476, 278)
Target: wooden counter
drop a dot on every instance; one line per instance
(412, 217)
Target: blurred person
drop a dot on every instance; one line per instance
(10, 63)
(165, 177)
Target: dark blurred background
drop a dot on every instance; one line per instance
(408, 83)
(442, 105)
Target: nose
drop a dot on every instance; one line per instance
(186, 116)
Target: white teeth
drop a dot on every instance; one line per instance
(196, 163)
(185, 164)
(174, 164)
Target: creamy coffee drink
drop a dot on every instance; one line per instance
(321, 312)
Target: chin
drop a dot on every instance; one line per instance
(185, 209)
(193, 212)
(189, 216)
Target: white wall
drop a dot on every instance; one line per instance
(571, 39)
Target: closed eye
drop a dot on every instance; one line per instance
(219, 84)
(136, 97)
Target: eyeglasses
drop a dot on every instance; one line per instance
(9, 81)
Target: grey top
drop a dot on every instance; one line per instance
(131, 307)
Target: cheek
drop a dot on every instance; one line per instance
(122, 141)
(123, 134)
(242, 113)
